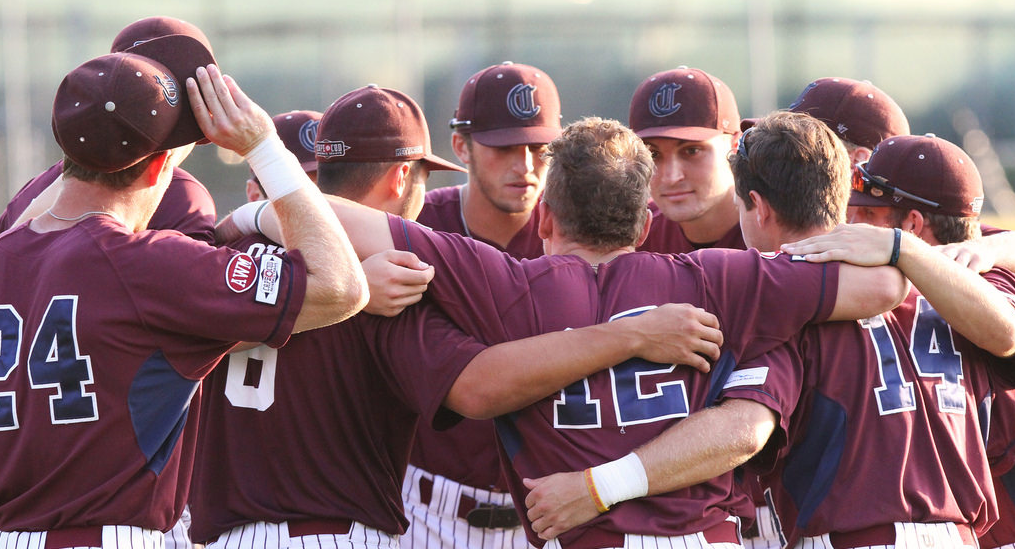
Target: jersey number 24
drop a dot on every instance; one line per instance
(54, 363)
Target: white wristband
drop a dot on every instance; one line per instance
(621, 480)
(276, 168)
(246, 216)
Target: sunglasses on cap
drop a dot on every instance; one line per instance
(878, 186)
(742, 144)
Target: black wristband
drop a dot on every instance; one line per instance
(896, 247)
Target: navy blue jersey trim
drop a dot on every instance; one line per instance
(159, 402)
(812, 464)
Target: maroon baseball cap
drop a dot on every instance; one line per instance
(116, 110)
(149, 28)
(298, 130)
(374, 124)
(916, 172)
(509, 104)
(683, 103)
(856, 111)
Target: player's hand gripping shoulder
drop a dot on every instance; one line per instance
(397, 279)
(869, 284)
(676, 333)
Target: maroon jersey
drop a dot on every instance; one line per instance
(1001, 440)
(321, 428)
(187, 206)
(105, 337)
(667, 237)
(894, 402)
(760, 301)
(442, 211)
(467, 453)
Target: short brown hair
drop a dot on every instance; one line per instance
(948, 229)
(115, 180)
(799, 166)
(597, 183)
(353, 180)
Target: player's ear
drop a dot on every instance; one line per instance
(545, 221)
(645, 228)
(397, 180)
(254, 192)
(762, 209)
(159, 163)
(461, 148)
(859, 154)
(914, 222)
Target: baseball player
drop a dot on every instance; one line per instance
(319, 457)
(109, 328)
(860, 115)
(506, 115)
(901, 431)
(689, 121)
(601, 170)
(187, 205)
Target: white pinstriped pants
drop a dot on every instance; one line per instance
(908, 535)
(769, 536)
(113, 537)
(269, 535)
(179, 536)
(440, 527)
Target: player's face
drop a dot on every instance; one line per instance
(692, 177)
(511, 178)
(881, 216)
(415, 191)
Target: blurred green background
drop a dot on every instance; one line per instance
(950, 65)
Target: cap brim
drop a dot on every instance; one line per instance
(686, 133)
(857, 198)
(510, 137)
(435, 162)
(182, 55)
(748, 123)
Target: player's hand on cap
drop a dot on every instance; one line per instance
(856, 243)
(226, 115)
(557, 503)
(397, 279)
(971, 254)
(678, 333)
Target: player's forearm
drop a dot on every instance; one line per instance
(864, 292)
(706, 444)
(512, 375)
(964, 299)
(366, 228)
(336, 284)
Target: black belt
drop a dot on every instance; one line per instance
(476, 513)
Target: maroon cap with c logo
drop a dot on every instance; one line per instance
(509, 104)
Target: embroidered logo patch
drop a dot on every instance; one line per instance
(747, 376)
(241, 273)
(521, 102)
(330, 149)
(664, 100)
(169, 90)
(268, 282)
(308, 134)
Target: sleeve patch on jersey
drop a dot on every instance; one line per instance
(747, 376)
(241, 273)
(269, 279)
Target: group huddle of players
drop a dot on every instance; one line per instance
(539, 362)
